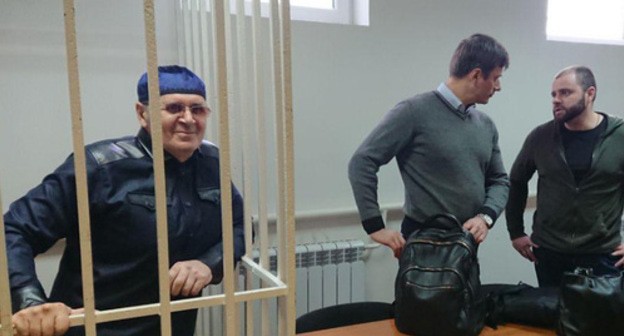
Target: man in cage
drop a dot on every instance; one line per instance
(447, 150)
(123, 221)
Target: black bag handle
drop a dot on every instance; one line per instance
(444, 221)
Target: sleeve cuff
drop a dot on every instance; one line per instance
(31, 295)
(214, 260)
(514, 235)
(373, 225)
(487, 211)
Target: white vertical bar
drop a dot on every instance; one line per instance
(255, 283)
(216, 313)
(343, 279)
(357, 284)
(188, 38)
(80, 167)
(279, 136)
(244, 107)
(315, 278)
(302, 279)
(5, 288)
(358, 292)
(329, 285)
(179, 17)
(159, 168)
(204, 52)
(278, 97)
(206, 70)
(224, 165)
(329, 275)
(213, 70)
(230, 63)
(260, 135)
(195, 35)
(234, 103)
(249, 306)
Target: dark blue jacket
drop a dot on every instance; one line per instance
(123, 229)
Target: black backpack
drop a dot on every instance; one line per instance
(437, 288)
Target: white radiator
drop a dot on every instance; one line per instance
(328, 274)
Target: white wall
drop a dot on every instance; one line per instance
(344, 79)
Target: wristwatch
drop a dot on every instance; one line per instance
(487, 219)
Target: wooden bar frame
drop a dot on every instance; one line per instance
(5, 288)
(280, 286)
(80, 167)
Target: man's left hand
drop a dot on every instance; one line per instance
(48, 319)
(478, 227)
(188, 278)
(619, 251)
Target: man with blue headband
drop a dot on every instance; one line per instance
(123, 221)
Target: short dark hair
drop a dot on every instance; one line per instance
(478, 51)
(584, 77)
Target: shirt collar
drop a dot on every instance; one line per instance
(452, 99)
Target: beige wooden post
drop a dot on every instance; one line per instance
(6, 326)
(80, 167)
(261, 143)
(159, 168)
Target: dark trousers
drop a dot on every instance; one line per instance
(551, 265)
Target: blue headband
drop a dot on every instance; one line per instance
(173, 79)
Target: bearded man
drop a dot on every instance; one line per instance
(580, 194)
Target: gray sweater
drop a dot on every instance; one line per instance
(449, 161)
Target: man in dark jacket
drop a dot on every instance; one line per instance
(579, 159)
(123, 221)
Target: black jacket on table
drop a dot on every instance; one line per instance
(123, 229)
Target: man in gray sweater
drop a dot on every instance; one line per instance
(447, 151)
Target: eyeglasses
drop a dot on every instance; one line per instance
(175, 108)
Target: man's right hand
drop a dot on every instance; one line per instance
(392, 239)
(48, 319)
(524, 245)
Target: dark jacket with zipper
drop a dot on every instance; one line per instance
(570, 217)
(123, 230)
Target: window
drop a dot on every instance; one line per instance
(329, 11)
(588, 21)
(323, 4)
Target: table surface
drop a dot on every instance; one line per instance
(387, 328)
